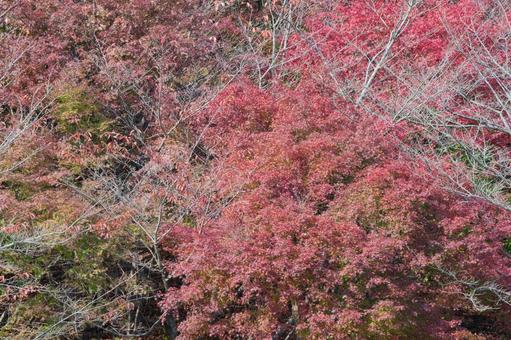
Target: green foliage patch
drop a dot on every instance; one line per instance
(77, 112)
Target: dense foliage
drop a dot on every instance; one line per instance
(255, 169)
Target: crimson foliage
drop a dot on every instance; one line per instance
(332, 230)
(250, 169)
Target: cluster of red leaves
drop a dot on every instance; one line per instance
(333, 231)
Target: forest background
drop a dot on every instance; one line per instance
(234, 169)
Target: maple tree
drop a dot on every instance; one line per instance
(255, 169)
